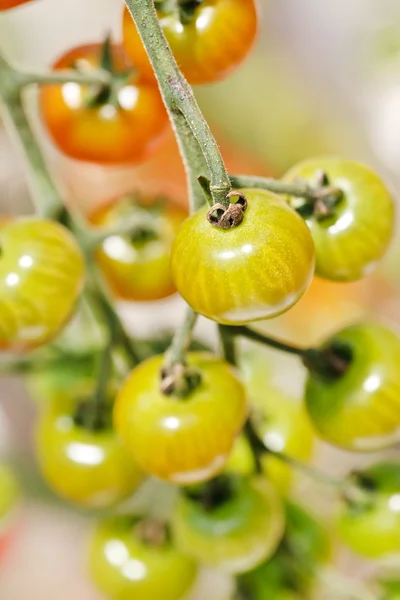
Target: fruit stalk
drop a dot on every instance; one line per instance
(197, 144)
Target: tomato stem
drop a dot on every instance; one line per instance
(181, 340)
(337, 483)
(250, 334)
(94, 77)
(198, 147)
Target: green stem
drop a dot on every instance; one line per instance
(333, 482)
(181, 340)
(181, 103)
(228, 345)
(250, 334)
(95, 77)
(299, 189)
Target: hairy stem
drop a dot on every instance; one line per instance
(182, 107)
(301, 189)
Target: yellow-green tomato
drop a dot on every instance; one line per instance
(349, 243)
(238, 533)
(359, 410)
(181, 440)
(371, 527)
(241, 459)
(283, 426)
(41, 278)
(254, 271)
(124, 567)
(88, 467)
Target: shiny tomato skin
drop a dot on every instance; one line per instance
(138, 270)
(125, 568)
(7, 4)
(360, 409)
(41, 278)
(187, 440)
(104, 134)
(254, 271)
(88, 468)
(350, 244)
(209, 47)
(373, 530)
(238, 534)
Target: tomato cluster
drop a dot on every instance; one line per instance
(190, 418)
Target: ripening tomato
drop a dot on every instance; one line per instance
(89, 467)
(283, 426)
(359, 410)
(41, 278)
(121, 124)
(125, 567)
(371, 526)
(208, 43)
(235, 535)
(7, 4)
(254, 271)
(349, 243)
(136, 266)
(182, 440)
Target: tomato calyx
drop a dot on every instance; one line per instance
(324, 201)
(92, 416)
(214, 493)
(329, 362)
(228, 217)
(359, 492)
(179, 380)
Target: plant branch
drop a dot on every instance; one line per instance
(181, 103)
(250, 334)
(300, 189)
(98, 76)
(181, 340)
(316, 475)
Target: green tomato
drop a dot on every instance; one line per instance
(9, 491)
(371, 528)
(235, 535)
(88, 467)
(350, 243)
(359, 410)
(241, 460)
(254, 271)
(126, 568)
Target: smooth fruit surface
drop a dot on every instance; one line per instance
(183, 440)
(350, 243)
(254, 271)
(208, 45)
(283, 425)
(137, 267)
(237, 534)
(126, 568)
(372, 529)
(86, 467)
(360, 409)
(41, 278)
(123, 127)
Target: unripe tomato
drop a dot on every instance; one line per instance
(210, 43)
(241, 459)
(283, 426)
(88, 467)
(184, 440)
(235, 535)
(119, 127)
(359, 410)
(41, 278)
(350, 243)
(6, 4)
(254, 271)
(371, 528)
(125, 568)
(137, 267)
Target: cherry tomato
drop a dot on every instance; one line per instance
(181, 440)
(124, 567)
(350, 243)
(123, 127)
(254, 271)
(371, 527)
(235, 535)
(241, 459)
(87, 467)
(210, 43)
(7, 4)
(359, 410)
(41, 278)
(137, 267)
(283, 426)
